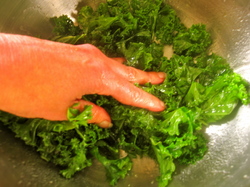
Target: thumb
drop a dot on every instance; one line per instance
(99, 115)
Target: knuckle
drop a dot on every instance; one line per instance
(132, 74)
(137, 76)
(136, 96)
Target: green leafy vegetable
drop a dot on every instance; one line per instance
(193, 41)
(199, 89)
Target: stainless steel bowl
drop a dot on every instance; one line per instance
(228, 160)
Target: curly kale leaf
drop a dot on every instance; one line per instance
(165, 161)
(64, 143)
(193, 41)
(64, 26)
(168, 25)
(195, 151)
(66, 31)
(115, 169)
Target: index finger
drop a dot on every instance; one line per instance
(127, 93)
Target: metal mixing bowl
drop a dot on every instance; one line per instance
(227, 162)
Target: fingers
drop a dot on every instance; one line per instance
(122, 89)
(137, 76)
(129, 94)
(99, 115)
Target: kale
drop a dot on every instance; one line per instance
(200, 88)
(65, 26)
(193, 41)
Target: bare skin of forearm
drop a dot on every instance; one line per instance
(42, 79)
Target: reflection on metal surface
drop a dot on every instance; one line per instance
(227, 162)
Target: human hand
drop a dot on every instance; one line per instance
(42, 79)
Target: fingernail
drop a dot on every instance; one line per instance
(162, 104)
(162, 75)
(105, 124)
